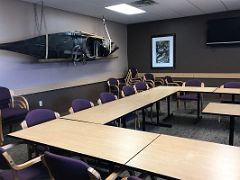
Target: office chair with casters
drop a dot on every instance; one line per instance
(190, 96)
(66, 168)
(13, 109)
(36, 117)
(79, 105)
(30, 170)
(170, 82)
(152, 81)
(113, 86)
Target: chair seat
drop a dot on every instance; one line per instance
(189, 96)
(13, 114)
(129, 117)
(35, 172)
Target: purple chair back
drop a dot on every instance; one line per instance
(133, 71)
(3, 162)
(140, 86)
(113, 81)
(128, 90)
(107, 97)
(65, 168)
(232, 85)
(39, 116)
(168, 79)
(80, 104)
(193, 82)
(5, 97)
(149, 76)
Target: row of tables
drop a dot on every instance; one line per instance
(172, 157)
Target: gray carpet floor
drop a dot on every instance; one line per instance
(209, 128)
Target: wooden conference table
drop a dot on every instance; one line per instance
(108, 112)
(162, 155)
(232, 91)
(108, 143)
(188, 159)
(231, 110)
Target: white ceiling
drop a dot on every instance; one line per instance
(165, 9)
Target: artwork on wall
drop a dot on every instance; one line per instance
(163, 51)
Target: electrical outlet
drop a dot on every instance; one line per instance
(40, 103)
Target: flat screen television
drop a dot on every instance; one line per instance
(223, 31)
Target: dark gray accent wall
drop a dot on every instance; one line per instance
(192, 54)
(60, 100)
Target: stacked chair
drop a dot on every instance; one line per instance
(13, 109)
(152, 81)
(170, 82)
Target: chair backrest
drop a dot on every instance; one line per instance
(106, 97)
(113, 82)
(128, 90)
(65, 168)
(168, 79)
(81, 104)
(193, 82)
(231, 85)
(149, 76)
(134, 72)
(3, 162)
(141, 86)
(5, 98)
(39, 116)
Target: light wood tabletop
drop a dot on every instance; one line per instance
(198, 89)
(105, 142)
(222, 109)
(189, 159)
(227, 91)
(105, 113)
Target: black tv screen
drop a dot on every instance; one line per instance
(223, 31)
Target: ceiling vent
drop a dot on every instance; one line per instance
(141, 3)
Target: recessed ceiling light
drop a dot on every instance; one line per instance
(125, 9)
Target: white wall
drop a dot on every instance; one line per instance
(24, 75)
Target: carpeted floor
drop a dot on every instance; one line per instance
(209, 128)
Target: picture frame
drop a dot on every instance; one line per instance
(163, 51)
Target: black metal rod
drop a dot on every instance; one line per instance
(231, 130)
(143, 119)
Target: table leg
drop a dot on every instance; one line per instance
(143, 119)
(231, 130)
(157, 108)
(233, 98)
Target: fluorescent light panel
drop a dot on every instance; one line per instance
(125, 9)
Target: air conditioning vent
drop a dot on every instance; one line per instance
(141, 3)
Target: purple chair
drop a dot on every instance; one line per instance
(141, 86)
(170, 82)
(38, 116)
(13, 109)
(127, 91)
(80, 104)
(106, 97)
(65, 168)
(30, 170)
(191, 96)
(230, 85)
(152, 81)
(113, 86)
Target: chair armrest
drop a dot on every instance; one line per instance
(150, 82)
(178, 82)
(114, 175)
(26, 164)
(21, 102)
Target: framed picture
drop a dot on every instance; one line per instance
(163, 51)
